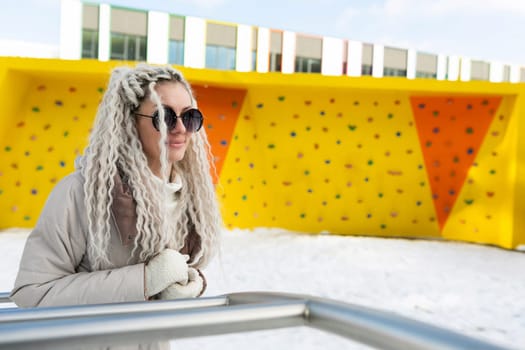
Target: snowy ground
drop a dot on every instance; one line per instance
(473, 289)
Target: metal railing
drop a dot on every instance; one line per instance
(157, 321)
(4, 298)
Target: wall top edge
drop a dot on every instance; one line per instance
(48, 68)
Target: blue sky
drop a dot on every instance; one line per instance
(479, 29)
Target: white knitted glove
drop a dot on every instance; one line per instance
(192, 289)
(163, 270)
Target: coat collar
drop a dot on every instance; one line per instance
(123, 209)
(124, 213)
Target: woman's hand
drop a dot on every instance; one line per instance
(164, 270)
(192, 289)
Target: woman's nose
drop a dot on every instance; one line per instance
(179, 126)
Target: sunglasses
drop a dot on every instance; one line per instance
(191, 119)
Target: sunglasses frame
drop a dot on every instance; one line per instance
(172, 124)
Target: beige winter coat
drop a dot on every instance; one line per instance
(55, 270)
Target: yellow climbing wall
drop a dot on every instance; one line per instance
(389, 164)
(485, 203)
(40, 140)
(328, 160)
(383, 157)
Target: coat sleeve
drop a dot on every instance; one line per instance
(49, 274)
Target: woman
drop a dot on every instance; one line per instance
(138, 218)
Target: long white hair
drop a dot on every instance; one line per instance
(115, 150)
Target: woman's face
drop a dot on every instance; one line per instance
(175, 96)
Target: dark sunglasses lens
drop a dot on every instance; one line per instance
(170, 118)
(192, 120)
(155, 120)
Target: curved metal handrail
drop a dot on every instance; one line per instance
(63, 327)
(47, 313)
(4, 297)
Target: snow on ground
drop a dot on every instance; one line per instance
(472, 289)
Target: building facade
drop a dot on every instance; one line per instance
(105, 32)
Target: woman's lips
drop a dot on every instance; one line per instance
(176, 143)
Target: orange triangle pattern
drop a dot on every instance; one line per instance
(221, 108)
(451, 131)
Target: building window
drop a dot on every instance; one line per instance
(176, 40)
(128, 35)
(426, 66)
(308, 52)
(307, 65)
(254, 60)
(479, 70)
(367, 59)
(276, 49)
(220, 57)
(221, 42)
(394, 72)
(506, 73)
(366, 69)
(89, 31)
(176, 52)
(128, 47)
(275, 62)
(254, 48)
(395, 62)
(344, 68)
(425, 75)
(447, 67)
(89, 43)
